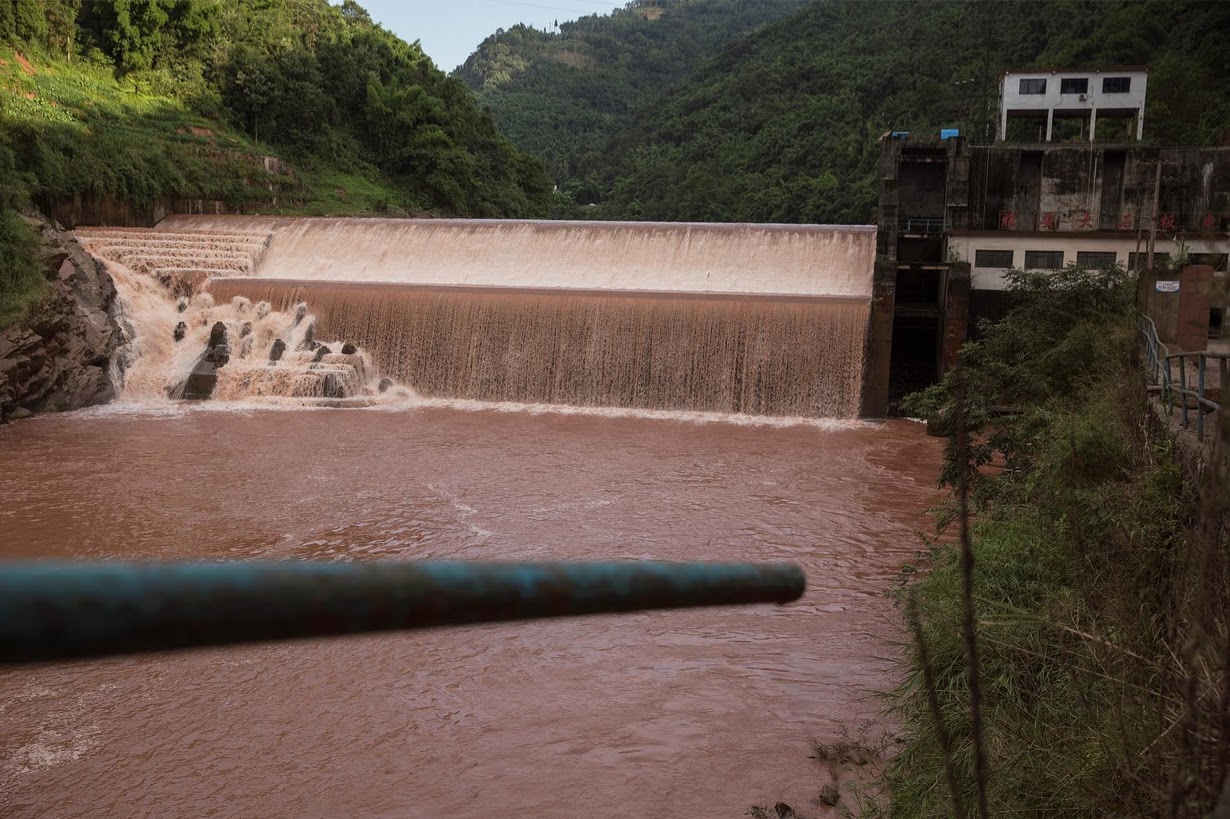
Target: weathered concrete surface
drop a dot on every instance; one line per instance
(59, 357)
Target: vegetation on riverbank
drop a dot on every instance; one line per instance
(279, 106)
(1099, 589)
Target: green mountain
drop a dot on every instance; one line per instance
(560, 95)
(134, 100)
(783, 125)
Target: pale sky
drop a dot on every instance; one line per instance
(450, 30)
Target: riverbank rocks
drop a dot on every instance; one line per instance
(349, 349)
(277, 350)
(59, 356)
(321, 353)
(181, 330)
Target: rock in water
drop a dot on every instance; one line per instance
(276, 351)
(181, 305)
(181, 330)
(321, 353)
(200, 385)
(349, 349)
(385, 383)
(217, 334)
(309, 339)
(245, 330)
(332, 386)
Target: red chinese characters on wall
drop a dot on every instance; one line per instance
(1082, 220)
(1126, 222)
(1007, 220)
(1208, 221)
(1050, 221)
(1167, 222)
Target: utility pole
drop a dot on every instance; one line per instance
(1157, 190)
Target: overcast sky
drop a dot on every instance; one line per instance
(450, 30)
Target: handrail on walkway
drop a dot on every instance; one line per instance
(1161, 363)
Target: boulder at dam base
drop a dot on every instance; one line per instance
(59, 356)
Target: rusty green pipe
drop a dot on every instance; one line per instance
(68, 610)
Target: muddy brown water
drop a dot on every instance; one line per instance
(695, 713)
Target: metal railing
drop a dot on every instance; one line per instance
(921, 224)
(1161, 364)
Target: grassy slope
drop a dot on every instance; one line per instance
(1092, 616)
(84, 110)
(68, 128)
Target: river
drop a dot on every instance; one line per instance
(687, 713)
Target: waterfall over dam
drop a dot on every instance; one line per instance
(758, 319)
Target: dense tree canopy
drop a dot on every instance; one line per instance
(312, 79)
(561, 95)
(780, 122)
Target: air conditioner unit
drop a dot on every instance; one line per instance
(1084, 97)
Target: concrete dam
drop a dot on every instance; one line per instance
(729, 318)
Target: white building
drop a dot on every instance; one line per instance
(1044, 95)
(991, 253)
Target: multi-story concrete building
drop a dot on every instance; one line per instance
(1041, 96)
(954, 217)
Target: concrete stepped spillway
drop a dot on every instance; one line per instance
(760, 319)
(181, 261)
(191, 346)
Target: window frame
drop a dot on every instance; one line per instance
(1096, 265)
(1160, 257)
(1107, 89)
(1011, 259)
(1050, 253)
(1066, 82)
(1037, 87)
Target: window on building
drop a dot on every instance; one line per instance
(993, 258)
(1116, 85)
(1033, 86)
(1074, 85)
(1098, 260)
(1217, 261)
(1043, 259)
(1159, 260)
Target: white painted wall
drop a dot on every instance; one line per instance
(963, 247)
(1011, 98)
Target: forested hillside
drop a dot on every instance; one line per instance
(782, 125)
(561, 95)
(137, 99)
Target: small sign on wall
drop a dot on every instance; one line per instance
(1168, 286)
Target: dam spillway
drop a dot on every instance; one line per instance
(758, 319)
(661, 351)
(795, 260)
